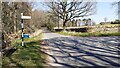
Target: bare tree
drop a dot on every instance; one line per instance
(84, 21)
(89, 22)
(68, 10)
(117, 4)
(105, 19)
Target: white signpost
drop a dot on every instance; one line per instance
(22, 25)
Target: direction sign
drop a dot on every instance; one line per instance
(25, 17)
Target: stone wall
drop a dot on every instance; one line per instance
(100, 28)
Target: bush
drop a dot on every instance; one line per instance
(116, 22)
(51, 26)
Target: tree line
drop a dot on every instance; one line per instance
(117, 21)
(11, 19)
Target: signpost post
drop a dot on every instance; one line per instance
(22, 25)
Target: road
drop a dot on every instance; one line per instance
(71, 51)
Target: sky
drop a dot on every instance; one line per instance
(104, 10)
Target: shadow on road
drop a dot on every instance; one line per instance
(87, 52)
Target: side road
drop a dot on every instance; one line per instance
(71, 51)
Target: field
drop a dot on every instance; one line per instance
(98, 30)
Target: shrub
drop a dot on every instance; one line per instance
(51, 26)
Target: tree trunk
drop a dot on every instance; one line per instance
(72, 23)
(64, 25)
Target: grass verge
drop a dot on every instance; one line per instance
(89, 34)
(27, 56)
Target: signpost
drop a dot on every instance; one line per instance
(22, 25)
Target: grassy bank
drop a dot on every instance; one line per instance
(89, 34)
(27, 56)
